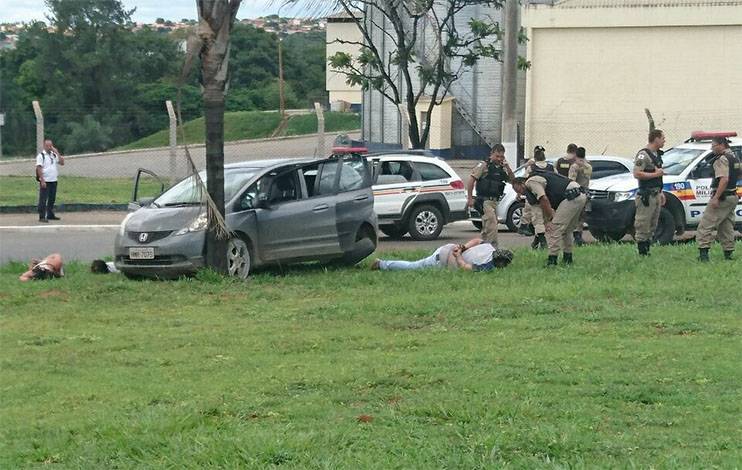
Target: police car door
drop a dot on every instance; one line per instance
(395, 183)
(700, 186)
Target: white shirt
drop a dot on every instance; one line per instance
(479, 254)
(48, 163)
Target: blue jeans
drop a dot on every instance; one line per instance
(430, 261)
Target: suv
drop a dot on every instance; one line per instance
(687, 189)
(278, 211)
(510, 207)
(417, 193)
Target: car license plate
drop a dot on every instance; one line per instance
(142, 253)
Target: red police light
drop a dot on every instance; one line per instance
(349, 150)
(700, 135)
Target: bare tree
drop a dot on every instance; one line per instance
(429, 52)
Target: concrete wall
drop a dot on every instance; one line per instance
(594, 70)
(334, 81)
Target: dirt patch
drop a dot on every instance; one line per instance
(54, 293)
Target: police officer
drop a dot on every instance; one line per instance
(580, 172)
(719, 212)
(563, 164)
(649, 198)
(561, 202)
(531, 216)
(490, 177)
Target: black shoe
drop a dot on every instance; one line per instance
(643, 248)
(567, 258)
(703, 255)
(43, 220)
(728, 255)
(539, 242)
(579, 241)
(535, 243)
(53, 217)
(526, 230)
(552, 261)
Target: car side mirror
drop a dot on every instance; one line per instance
(145, 201)
(263, 201)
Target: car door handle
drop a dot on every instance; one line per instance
(362, 197)
(320, 208)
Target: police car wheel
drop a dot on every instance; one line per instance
(514, 215)
(238, 258)
(665, 227)
(393, 231)
(426, 223)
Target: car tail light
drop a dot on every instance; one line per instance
(458, 184)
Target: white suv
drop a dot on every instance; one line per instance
(416, 192)
(687, 189)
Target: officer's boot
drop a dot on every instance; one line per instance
(579, 241)
(552, 261)
(643, 248)
(535, 243)
(526, 230)
(728, 255)
(542, 241)
(567, 258)
(703, 254)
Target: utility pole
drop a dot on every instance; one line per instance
(509, 135)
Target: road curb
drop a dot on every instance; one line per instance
(72, 207)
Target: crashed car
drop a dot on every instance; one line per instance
(278, 211)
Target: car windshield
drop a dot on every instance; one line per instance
(187, 192)
(675, 160)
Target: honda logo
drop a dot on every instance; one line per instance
(143, 237)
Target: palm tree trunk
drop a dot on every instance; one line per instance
(213, 100)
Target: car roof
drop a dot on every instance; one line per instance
(268, 163)
(706, 144)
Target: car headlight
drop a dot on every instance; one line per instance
(196, 225)
(621, 196)
(122, 227)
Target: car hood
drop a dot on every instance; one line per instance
(626, 182)
(155, 219)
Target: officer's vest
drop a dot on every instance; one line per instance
(556, 186)
(654, 183)
(735, 171)
(563, 164)
(493, 183)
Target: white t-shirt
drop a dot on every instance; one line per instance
(48, 162)
(479, 254)
(111, 267)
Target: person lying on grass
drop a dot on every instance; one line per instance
(47, 268)
(101, 267)
(474, 255)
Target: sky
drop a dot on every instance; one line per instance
(12, 11)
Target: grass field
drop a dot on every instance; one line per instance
(613, 363)
(245, 125)
(23, 190)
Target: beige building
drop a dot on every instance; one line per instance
(597, 64)
(341, 27)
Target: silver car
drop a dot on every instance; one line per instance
(279, 211)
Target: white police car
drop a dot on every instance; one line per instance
(416, 192)
(687, 189)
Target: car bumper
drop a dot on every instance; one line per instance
(174, 256)
(608, 216)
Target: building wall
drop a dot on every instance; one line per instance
(595, 70)
(334, 81)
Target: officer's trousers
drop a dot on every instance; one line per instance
(534, 217)
(645, 221)
(489, 221)
(565, 221)
(721, 218)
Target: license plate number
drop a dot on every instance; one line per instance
(142, 253)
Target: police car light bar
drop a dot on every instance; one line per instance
(700, 135)
(349, 150)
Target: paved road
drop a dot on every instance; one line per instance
(125, 164)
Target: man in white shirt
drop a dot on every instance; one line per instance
(475, 255)
(46, 174)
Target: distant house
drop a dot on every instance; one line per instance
(597, 64)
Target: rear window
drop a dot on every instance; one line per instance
(429, 171)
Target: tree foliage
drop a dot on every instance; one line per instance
(413, 50)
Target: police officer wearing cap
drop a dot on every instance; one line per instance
(719, 212)
(580, 172)
(649, 198)
(531, 216)
(563, 164)
(561, 201)
(490, 177)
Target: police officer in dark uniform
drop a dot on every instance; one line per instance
(532, 221)
(719, 212)
(563, 164)
(561, 201)
(649, 198)
(490, 177)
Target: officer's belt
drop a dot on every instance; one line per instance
(573, 193)
(490, 198)
(651, 191)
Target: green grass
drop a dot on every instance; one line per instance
(245, 125)
(23, 190)
(612, 363)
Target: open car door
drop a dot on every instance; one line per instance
(151, 185)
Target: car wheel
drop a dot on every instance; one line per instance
(477, 224)
(515, 213)
(238, 258)
(426, 223)
(665, 230)
(365, 245)
(393, 231)
(606, 237)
